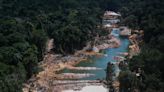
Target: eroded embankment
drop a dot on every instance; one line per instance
(45, 80)
(135, 39)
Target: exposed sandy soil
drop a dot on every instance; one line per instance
(53, 63)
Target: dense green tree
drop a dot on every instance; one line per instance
(148, 16)
(128, 81)
(25, 26)
(19, 53)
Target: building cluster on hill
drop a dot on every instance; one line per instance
(111, 19)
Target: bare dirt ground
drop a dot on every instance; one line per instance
(52, 63)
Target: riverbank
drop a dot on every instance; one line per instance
(108, 41)
(135, 38)
(54, 63)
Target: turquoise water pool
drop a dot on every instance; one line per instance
(101, 62)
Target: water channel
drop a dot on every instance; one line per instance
(101, 62)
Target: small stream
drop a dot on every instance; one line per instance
(101, 62)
